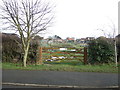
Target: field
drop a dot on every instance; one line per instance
(64, 65)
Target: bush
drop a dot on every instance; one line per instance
(32, 55)
(118, 47)
(100, 51)
(10, 48)
(11, 51)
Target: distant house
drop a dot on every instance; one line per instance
(77, 40)
(90, 38)
(84, 41)
(81, 40)
(53, 39)
(57, 39)
(68, 39)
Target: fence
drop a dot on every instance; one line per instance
(51, 53)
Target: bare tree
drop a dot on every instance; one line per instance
(28, 18)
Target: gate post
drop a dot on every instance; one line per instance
(85, 55)
(39, 59)
(40, 56)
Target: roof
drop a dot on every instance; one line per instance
(70, 38)
(118, 35)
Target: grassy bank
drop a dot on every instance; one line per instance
(108, 68)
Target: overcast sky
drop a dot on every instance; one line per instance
(82, 18)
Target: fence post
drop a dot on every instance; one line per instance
(39, 61)
(85, 55)
(40, 56)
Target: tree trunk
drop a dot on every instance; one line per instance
(25, 56)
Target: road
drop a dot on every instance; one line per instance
(81, 79)
(10, 87)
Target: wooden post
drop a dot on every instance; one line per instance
(40, 56)
(39, 59)
(85, 55)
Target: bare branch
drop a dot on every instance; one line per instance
(28, 17)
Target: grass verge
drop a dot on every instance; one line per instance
(107, 68)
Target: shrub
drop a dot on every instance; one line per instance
(33, 50)
(100, 50)
(32, 55)
(10, 48)
(11, 51)
(118, 47)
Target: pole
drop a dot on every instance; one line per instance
(40, 56)
(115, 52)
(85, 55)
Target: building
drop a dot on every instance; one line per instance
(70, 40)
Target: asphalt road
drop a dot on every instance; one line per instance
(83, 79)
(10, 87)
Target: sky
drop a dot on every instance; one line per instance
(83, 18)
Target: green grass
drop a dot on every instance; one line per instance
(65, 66)
(66, 62)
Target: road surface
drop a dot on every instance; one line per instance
(55, 78)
